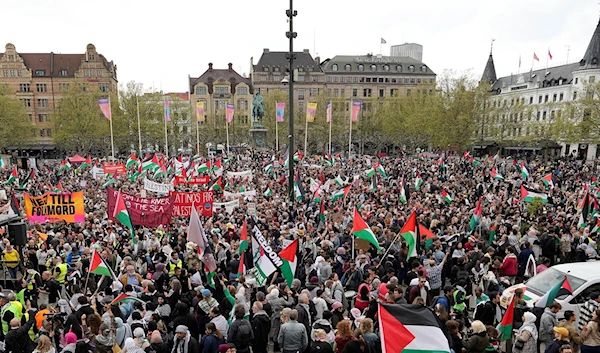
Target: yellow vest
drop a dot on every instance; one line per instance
(63, 273)
(11, 258)
(16, 308)
(31, 279)
(172, 267)
(31, 332)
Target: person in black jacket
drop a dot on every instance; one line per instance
(304, 311)
(261, 326)
(184, 318)
(17, 339)
(487, 314)
(183, 341)
(240, 332)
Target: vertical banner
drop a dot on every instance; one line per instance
(167, 110)
(311, 111)
(200, 111)
(280, 109)
(105, 107)
(355, 110)
(229, 113)
(329, 112)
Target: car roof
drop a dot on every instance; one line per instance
(583, 270)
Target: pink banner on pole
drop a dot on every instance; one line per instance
(229, 113)
(280, 109)
(105, 107)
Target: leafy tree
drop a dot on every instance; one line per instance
(16, 129)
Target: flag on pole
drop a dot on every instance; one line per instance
(131, 161)
(379, 169)
(122, 215)
(495, 175)
(505, 327)
(547, 180)
(402, 197)
(329, 112)
(121, 298)
(229, 113)
(418, 182)
(355, 109)
(342, 193)
(196, 235)
(409, 233)
(13, 176)
(528, 196)
(446, 196)
(280, 110)
(311, 112)
(476, 215)
(426, 234)
(167, 110)
(548, 298)
(361, 230)
(383, 41)
(200, 112)
(524, 171)
(105, 107)
(86, 164)
(535, 57)
(549, 54)
(98, 266)
(289, 257)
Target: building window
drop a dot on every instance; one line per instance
(538, 116)
(314, 78)
(554, 97)
(242, 104)
(418, 80)
(381, 93)
(221, 104)
(263, 78)
(368, 80)
(242, 90)
(26, 102)
(592, 79)
(42, 118)
(200, 91)
(544, 115)
(386, 67)
(48, 132)
(334, 67)
(412, 80)
(221, 90)
(540, 100)
(30, 117)
(20, 73)
(276, 69)
(24, 87)
(411, 68)
(361, 67)
(40, 73)
(103, 86)
(42, 103)
(265, 68)
(5, 73)
(84, 87)
(314, 92)
(576, 80)
(546, 99)
(367, 92)
(63, 87)
(574, 95)
(300, 93)
(531, 100)
(561, 97)
(300, 78)
(41, 87)
(423, 68)
(373, 67)
(99, 73)
(11, 57)
(342, 92)
(354, 92)
(42, 134)
(301, 106)
(276, 78)
(63, 72)
(13, 73)
(348, 67)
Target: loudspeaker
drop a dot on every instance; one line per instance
(17, 233)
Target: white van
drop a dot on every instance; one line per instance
(584, 278)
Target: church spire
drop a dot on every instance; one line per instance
(489, 73)
(591, 59)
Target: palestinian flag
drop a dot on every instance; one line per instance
(289, 256)
(297, 188)
(13, 177)
(547, 180)
(218, 185)
(65, 166)
(418, 182)
(137, 173)
(131, 161)
(441, 163)
(268, 192)
(409, 233)
(122, 298)
(298, 156)
(204, 167)
(524, 171)
(150, 164)
(594, 181)
(369, 172)
(585, 208)
(86, 164)
(269, 168)
(477, 213)
(339, 181)
(505, 327)
(263, 265)
(29, 176)
(410, 329)
(330, 159)
(317, 195)
(402, 196)
(426, 234)
(58, 188)
(243, 238)
(361, 230)
(380, 170)
(98, 266)
(121, 214)
(593, 209)
(495, 175)
(548, 298)
(15, 206)
(446, 196)
(242, 266)
(160, 172)
(322, 212)
(492, 236)
(528, 196)
(217, 166)
(342, 193)
(474, 162)
(466, 154)
(112, 179)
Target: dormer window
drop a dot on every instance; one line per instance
(63, 72)
(348, 67)
(265, 68)
(361, 67)
(594, 61)
(423, 68)
(334, 67)
(399, 68)
(411, 68)
(373, 67)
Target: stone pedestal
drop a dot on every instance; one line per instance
(258, 136)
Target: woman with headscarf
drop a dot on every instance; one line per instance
(140, 338)
(527, 335)
(123, 331)
(71, 341)
(130, 347)
(105, 340)
(355, 318)
(161, 278)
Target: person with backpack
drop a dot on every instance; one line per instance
(489, 313)
(445, 299)
(261, 326)
(240, 332)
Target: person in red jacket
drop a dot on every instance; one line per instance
(509, 265)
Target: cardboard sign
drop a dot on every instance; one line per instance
(55, 206)
(149, 212)
(114, 168)
(202, 200)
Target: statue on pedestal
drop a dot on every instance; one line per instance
(258, 110)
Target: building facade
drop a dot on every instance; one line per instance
(523, 106)
(408, 50)
(38, 80)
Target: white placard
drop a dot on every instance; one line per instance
(150, 185)
(229, 206)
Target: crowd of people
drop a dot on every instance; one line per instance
(51, 303)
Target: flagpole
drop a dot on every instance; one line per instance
(276, 130)
(137, 104)
(112, 139)
(305, 134)
(350, 133)
(227, 130)
(166, 139)
(197, 137)
(330, 121)
(547, 61)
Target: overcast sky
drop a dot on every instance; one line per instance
(160, 43)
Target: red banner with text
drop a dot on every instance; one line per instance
(149, 212)
(182, 203)
(199, 180)
(114, 168)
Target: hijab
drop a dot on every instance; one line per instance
(123, 331)
(64, 306)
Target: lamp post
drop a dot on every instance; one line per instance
(291, 35)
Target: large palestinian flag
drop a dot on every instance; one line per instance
(410, 329)
(361, 230)
(548, 298)
(409, 233)
(98, 266)
(289, 256)
(528, 196)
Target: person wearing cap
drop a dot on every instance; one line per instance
(183, 342)
(561, 338)
(547, 324)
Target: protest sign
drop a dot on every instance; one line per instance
(53, 207)
(153, 186)
(202, 200)
(149, 212)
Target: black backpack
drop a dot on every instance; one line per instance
(462, 274)
(243, 337)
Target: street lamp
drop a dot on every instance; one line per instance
(291, 35)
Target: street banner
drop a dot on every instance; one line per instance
(153, 186)
(280, 109)
(182, 203)
(232, 195)
(199, 180)
(55, 206)
(244, 174)
(143, 211)
(229, 206)
(97, 172)
(114, 168)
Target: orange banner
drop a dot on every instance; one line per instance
(54, 207)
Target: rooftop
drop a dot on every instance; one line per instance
(375, 63)
(278, 61)
(211, 75)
